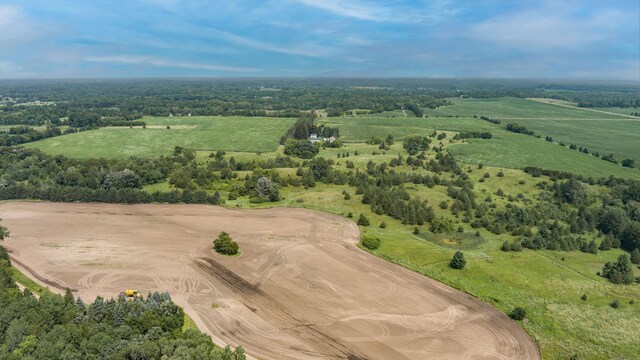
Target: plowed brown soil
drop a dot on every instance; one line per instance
(301, 288)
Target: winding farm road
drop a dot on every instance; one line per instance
(301, 289)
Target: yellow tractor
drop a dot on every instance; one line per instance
(131, 294)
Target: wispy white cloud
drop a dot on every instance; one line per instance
(310, 37)
(547, 28)
(305, 49)
(353, 10)
(8, 15)
(153, 61)
(430, 12)
(15, 27)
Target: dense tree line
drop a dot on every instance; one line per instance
(282, 98)
(491, 120)
(473, 135)
(130, 99)
(520, 129)
(24, 134)
(57, 193)
(31, 174)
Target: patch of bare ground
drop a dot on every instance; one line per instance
(301, 289)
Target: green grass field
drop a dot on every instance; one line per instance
(201, 133)
(512, 150)
(262, 135)
(617, 110)
(599, 132)
(25, 281)
(517, 151)
(514, 108)
(619, 137)
(360, 129)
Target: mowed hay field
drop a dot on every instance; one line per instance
(617, 136)
(599, 130)
(517, 151)
(361, 129)
(253, 134)
(515, 108)
(505, 149)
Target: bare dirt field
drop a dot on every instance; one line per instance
(301, 288)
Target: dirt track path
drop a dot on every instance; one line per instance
(550, 102)
(301, 288)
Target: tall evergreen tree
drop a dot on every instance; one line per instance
(458, 261)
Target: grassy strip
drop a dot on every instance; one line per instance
(189, 324)
(25, 281)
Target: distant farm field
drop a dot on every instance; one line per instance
(200, 133)
(515, 108)
(619, 137)
(617, 110)
(605, 130)
(360, 129)
(517, 151)
(512, 150)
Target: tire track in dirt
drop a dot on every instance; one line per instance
(323, 343)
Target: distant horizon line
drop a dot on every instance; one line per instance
(125, 78)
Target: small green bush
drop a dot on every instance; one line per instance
(518, 313)
(370, 243)
(363, 220)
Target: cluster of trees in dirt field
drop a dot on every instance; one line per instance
(62, 327)
(223, 244)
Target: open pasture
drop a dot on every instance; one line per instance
(515, 108)
(619, 137)
(599, 131)
(517, 151)
(252, 134)
(360, 129)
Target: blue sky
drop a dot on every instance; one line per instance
(581, 39)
